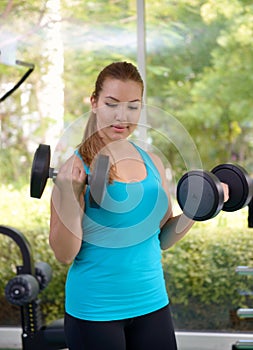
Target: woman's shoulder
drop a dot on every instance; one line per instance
(156, 160)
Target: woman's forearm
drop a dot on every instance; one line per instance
(65, 227)
(173, 230)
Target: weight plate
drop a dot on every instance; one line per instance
(22, 289)
(40, 170)
(239, 183)
(98, 180)
(200, 195)
(43, 274)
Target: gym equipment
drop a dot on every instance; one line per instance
(239, 183)
(43, 273)
(200, 193)
(41, 171)
(23, 291)
(250, 214)
(244, 313)
(30, 67)
(243, 345)
(244, 270)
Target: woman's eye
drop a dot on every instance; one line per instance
(113, 105)
(133, 107)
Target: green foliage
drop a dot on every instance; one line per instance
(200, 271)
(215, 101)
(199, 59)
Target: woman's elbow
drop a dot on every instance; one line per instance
(164, 246)
(60, 256)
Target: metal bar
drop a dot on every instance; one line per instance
(22, 79)
(245, 313)
(244, 270)
(244, 344)
(141, 42)
(141, 60)
(24, 246)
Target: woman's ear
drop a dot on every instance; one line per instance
(93, 103)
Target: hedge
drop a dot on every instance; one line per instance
(199, 270)
(201, 278)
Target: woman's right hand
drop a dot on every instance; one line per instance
(71, 178)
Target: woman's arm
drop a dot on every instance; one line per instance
(173, 228)
(67, 207)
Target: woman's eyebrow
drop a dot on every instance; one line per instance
(116, 100)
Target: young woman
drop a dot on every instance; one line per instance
(115, 290)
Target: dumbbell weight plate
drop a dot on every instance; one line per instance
(40, 170)
(239, 183)
(43, 274)
(22, 289)
(98, 180)
(200, 195)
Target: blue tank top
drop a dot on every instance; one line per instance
(118, 273)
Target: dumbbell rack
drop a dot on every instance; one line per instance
(244, 313)
(35, 334)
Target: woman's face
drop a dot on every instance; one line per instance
(117, 108)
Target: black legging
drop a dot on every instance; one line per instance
(153, 331)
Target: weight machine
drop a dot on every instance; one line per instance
(23, 290)
(244, 313)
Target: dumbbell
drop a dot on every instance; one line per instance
(41, 171)
(200, 193)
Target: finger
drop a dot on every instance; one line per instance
(78, 174)
(226, 191)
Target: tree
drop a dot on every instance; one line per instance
(25, 114)
(213, 98)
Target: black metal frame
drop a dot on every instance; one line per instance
(30, 67)
(35, 334)
(244, 344)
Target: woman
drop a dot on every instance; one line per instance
(115, 289)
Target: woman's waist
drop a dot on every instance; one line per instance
(121, 281)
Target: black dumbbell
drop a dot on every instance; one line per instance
(200, 193)
(41, 171)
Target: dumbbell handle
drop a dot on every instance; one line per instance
(52, 173)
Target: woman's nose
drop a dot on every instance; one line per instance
(121, 113)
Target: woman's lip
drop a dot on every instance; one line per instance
(119, 128)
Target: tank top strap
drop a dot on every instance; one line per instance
(86, 168)
(148, 161)
(145, 156)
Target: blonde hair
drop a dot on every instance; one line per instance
(92, 143)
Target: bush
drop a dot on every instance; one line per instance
(199, 270)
